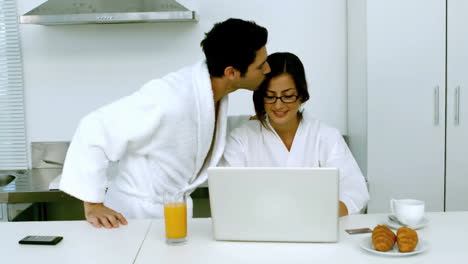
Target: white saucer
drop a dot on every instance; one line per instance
(367, 245)
(395, 225)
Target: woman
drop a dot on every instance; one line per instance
(283, 137)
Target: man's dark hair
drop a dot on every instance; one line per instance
(280, 63)
(235, 43)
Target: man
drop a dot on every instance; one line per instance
(166, 134)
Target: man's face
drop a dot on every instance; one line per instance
(256, 71)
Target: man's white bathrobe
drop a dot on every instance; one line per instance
(161, 135)
(315, 145)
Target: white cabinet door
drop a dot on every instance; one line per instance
(457, 106)
(406, 102)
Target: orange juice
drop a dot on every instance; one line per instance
(175, 215)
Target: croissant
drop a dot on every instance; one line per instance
(383, 238)
(407, 239)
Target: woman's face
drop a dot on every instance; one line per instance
(282, 114)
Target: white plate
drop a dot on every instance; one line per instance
(367, 245)
(396, 225)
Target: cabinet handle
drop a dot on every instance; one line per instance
(457, 106)
(436, 105)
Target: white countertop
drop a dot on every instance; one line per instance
(445, 234)
(142, 241)
(81, 242)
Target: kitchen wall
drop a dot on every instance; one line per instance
(71, 70)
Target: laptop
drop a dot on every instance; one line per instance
(274, 204)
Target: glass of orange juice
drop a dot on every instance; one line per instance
(175, 218)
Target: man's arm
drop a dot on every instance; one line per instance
(99, 215)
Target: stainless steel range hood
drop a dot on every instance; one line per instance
(60, 12)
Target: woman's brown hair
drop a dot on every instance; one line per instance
(280, 63)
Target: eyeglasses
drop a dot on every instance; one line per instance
(287, 99)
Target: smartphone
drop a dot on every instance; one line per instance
(358, 231)
(41, 240)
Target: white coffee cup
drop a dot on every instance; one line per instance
(408, 211)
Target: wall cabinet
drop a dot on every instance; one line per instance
(407, 70)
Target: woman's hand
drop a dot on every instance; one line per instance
(99, 215)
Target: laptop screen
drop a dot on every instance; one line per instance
(274, 204)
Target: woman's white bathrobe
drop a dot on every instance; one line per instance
(161, 135)
(315, 145)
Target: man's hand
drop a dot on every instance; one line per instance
(99, 215)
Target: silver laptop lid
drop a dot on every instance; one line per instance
(274, 204)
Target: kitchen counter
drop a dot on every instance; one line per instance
(30, 190)
(443, 235)
(33, 186)
(143, 241)
(82, 243)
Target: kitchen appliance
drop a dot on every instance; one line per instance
(61, 12)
